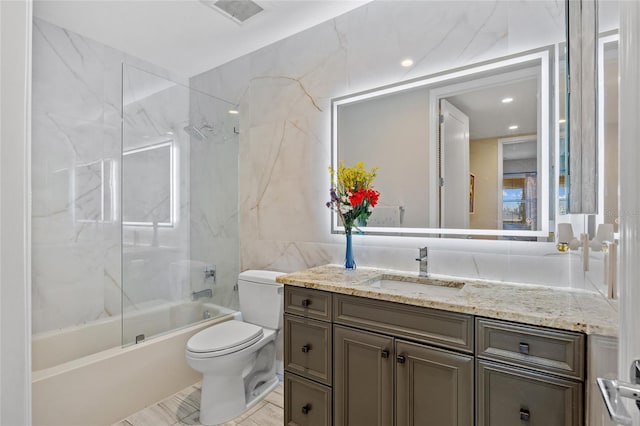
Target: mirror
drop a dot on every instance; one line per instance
(464, 152)
(608, 179)
(149, 197)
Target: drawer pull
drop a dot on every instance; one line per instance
(523, 348)
(306, 409)
(384, 354)
(306, 303)
(306, 348)
(525, 415)
(401, 359)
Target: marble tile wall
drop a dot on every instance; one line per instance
(284, 92)
(78, 260)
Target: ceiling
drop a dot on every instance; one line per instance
(489, 117)
(186, 36)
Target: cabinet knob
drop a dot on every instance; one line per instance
(306, 348)
(306, 303)
(401, 359)
(306, 408)
(525, 415)
(384, 354)
(523, 348)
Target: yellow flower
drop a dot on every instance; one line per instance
(351, 179)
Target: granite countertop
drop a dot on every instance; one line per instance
(562, 308)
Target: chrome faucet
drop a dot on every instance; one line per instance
(424, 261)
(207, 292)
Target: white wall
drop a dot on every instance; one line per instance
(15, 124)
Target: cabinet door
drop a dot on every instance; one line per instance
(363, 378)
(433, 386)
(510, 396)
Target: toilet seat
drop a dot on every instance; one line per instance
(224, 338)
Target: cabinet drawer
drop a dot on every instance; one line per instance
(306, 403)
(307, 302)
(446, 329)
(551, 351)
(308, 348)
(508, 396)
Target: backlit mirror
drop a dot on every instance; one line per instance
(464, 152)
(149, 197)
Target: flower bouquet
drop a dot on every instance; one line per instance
(353, 198)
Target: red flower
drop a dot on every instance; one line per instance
(356, 198)
(373, 196)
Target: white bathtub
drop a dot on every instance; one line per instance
(82, 375)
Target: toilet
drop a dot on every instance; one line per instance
(237, 358)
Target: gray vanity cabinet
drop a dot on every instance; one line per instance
(355, 361)
(363, 378)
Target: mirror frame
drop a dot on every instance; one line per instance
(547, 72)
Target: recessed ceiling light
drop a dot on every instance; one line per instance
(407, 62)
(170, 133)
(514, 127)
(507, 100)
(562, 120)
(234, 111)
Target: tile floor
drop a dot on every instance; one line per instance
(183, 409)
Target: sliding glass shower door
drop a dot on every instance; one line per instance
(178, 200)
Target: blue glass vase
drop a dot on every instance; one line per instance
(349, 261)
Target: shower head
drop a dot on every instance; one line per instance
(194, 132)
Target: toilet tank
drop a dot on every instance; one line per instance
(261, 298)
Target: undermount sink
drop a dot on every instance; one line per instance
(424, 285)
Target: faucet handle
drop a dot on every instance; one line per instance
(424, 252)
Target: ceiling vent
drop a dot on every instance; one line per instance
(238, 10)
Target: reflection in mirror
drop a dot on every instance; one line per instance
(608, 129)
(466, 151)
(149, 196)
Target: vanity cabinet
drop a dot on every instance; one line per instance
(356, 361)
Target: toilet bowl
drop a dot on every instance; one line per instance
(238, 358)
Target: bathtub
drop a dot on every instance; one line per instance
(84, 376)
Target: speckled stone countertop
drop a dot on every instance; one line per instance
(562, 308)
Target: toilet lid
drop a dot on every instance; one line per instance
(225, 336)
